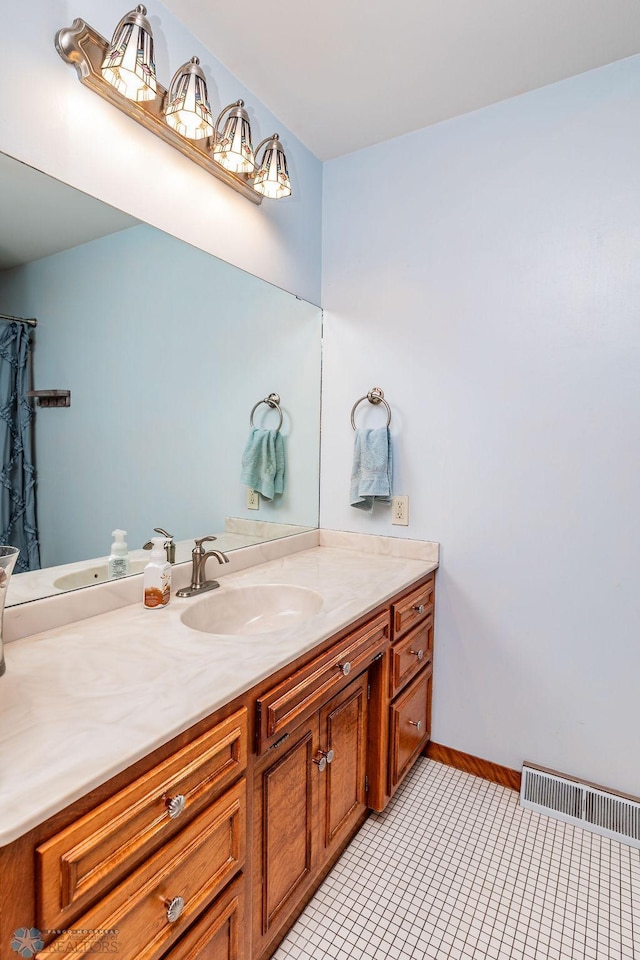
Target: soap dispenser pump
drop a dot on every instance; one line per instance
(157, 576)
(119, 557)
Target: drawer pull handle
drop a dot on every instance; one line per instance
(175, 805)
(321, 763)
(345, 668)
(328, 755)
(417, 724)
(417, 653)
(419, 608)
(174, 908)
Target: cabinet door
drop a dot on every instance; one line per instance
(343, 741)
(410, 725)
(218, 934)
(285, 812)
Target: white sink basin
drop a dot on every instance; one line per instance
(100, 574)
(263, 608)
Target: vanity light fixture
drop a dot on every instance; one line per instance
(129, 64)
(187, 108)
(272, 179)
(123, 72)
(232, 148)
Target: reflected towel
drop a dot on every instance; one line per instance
(263, 462)
(371, 476)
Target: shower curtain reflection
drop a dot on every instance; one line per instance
(18, 527)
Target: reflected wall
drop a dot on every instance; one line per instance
(165, 350)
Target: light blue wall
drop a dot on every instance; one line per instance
(165, 350)
(485, 273)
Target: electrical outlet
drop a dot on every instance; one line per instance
(400, 511)
(253, 499)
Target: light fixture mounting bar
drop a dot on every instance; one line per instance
(84, 48)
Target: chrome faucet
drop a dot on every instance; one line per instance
(199, 560)
(170, 547)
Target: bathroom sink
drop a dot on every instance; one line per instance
(263, 608)
(90, 575)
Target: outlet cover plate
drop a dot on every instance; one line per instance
(253, 499)
(400, 511)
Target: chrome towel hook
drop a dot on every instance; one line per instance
(273, 401)
(375, 396)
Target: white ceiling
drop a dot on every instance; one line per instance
(41, 216)
(344, 74)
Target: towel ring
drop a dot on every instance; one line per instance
(273, 401)
(375, 396)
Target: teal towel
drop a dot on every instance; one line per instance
(263, 462)
(371, 477)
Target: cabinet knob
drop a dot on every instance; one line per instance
(417, 653)
(417, 724)
(345, 668)
(328, 755)
(419, 608)
(175, 805)
(321, 763)
(174, 908)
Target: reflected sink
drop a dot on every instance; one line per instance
(91, 575)
(263, 608)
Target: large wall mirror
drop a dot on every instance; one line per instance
(165, 351)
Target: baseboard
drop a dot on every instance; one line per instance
(470, 764)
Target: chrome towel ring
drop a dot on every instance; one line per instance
(374, 396)
(273, 401)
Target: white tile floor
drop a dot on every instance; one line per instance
(455, 868)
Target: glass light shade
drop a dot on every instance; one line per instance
(187, 110)
(232, 148)
(272, 179)
(128, 64)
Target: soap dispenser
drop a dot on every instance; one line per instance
(119, 557)
(157, 576)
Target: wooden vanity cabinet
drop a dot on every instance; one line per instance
(209, 848)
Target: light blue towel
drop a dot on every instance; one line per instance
(263, 462)
(371, 477)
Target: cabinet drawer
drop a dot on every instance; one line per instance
(413, 608)
(82, 861)
(411, 654)
(410, 718)
(194, 865)
(219, 933)
(295, 699)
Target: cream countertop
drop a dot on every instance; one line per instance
(82, 702)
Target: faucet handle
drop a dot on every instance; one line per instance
(203, 540)
(164, 533)
(169, 546)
